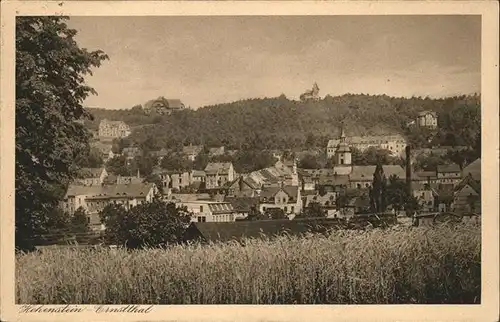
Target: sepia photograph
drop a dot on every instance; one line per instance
(249, 159)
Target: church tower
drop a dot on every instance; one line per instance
(343, 164)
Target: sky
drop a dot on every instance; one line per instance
(216, 59)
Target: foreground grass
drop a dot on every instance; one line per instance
(398, 265)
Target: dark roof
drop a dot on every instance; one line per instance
(424, 113)
(447, 168)
(246, 180)
(90, 172)
(218, 167)
(474, 169)
(238, 230)
(174, 103)
(365, 172)
(111, 191)
(243, 204)
(425, 174)
(339, 180)
(469, 180)
(269, 192)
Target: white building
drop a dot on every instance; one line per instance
(93, 199)
(396, 144)
(209, 210)
(286, 198)
(113, 129)
(427, 119)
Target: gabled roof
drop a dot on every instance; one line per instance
(448, 168)
(469, 180)
(270, 192)
(423, 175)
(110, 191)
(338, 180)
(327, 199)
(424, 113)
(243, 204)
(174, 103)
(198, 173)
(474, 169)
(218, 167)
(192, 149)
(365, 172)
(244, 180)
(227, 231)
(91, 172)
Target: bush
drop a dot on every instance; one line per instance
(150, 224)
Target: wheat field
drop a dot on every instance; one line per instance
(396, 265)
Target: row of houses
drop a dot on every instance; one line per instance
(283, 186)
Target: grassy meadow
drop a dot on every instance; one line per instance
(396, 265)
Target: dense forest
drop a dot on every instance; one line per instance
(280, 123)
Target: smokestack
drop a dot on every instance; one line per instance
(408, 169)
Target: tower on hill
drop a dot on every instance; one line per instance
(312, 94)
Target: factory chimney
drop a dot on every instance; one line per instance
(408, 177)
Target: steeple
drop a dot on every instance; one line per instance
(342, 134)
(343, 155)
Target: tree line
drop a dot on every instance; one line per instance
(280, 123)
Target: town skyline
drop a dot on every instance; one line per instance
(269, 56)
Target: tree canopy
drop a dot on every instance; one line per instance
(280, 123)
(149, 224)
(50, 90)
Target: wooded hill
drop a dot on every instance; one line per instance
(277, 123)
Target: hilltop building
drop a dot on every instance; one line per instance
(162, 106)
(113, 129)
(312, 94)
(427, 119)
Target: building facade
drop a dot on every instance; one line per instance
(219, 174)
(427, 119)
(113, 129)
(448, 174)
(286, 198)
(209, 211)
(93, 199)
(396, 144)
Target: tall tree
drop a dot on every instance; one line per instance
(50, 90)
(378, 190)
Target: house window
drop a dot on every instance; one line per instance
(367, 185)
(201, 208)
(292, 209)
(202, 219)
(286, 209)
(359, 186)
(341, 161)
